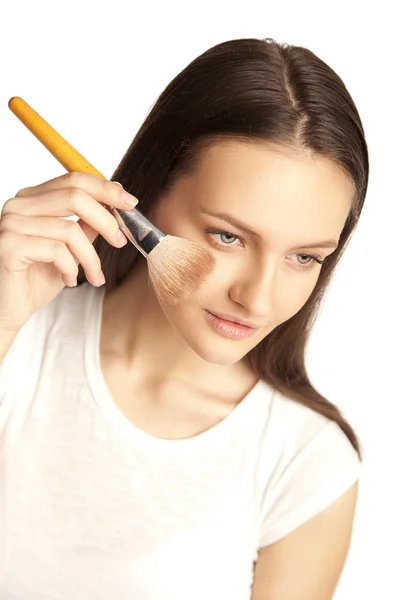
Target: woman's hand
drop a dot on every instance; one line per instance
(40, 252)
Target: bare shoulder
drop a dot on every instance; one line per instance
(307, 563)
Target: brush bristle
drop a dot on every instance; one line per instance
(177, 267)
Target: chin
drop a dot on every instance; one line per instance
(218, 352)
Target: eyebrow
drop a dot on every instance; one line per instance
(240, 225)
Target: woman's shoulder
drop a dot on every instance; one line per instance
(72, 301)
(299, 419)
(64, 318)
(296, 428)
(307, 462)
(70, 309)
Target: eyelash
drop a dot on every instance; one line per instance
(316, 259)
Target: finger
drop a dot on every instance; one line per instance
(68, 202)
(17, 252)
(66, 231)
(90, 233)
(107, 192)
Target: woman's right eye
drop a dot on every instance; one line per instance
(225, 240)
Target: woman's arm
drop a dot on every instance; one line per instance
(307, 564)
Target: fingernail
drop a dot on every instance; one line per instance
(101, 279)
(129, 200)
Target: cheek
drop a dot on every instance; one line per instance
(219, 282)
(293, 297)
(212, 293)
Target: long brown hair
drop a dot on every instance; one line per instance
(265, 91)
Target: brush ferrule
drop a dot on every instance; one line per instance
(139, 230)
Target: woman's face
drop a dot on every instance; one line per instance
(269, 216)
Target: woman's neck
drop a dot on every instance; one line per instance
(136, 331)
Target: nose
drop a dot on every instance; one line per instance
(254, 289)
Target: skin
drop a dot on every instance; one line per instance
(306, 564)
(290, 200)
(193, 377)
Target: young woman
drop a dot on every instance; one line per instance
(156, 452)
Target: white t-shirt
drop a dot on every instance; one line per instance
(91, 507)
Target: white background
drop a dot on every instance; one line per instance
(93, 70)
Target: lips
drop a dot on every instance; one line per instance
(231, 319)
(229, 327)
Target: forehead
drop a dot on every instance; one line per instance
(265, 182)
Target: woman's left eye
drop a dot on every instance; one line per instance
(223, 238)
(311, 260)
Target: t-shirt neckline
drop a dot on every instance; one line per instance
(115, 417)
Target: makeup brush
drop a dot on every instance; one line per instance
(176, 266)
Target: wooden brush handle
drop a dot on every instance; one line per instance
(58, 146)
(53, 141)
